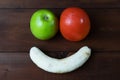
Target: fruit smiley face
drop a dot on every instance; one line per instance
(74, 26)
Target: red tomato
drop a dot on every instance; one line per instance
(74, 24)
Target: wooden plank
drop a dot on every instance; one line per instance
(16, 35)
(59, 4)
(101, 66)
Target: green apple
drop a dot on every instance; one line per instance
(44, 24)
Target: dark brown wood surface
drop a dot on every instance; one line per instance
(16, 40)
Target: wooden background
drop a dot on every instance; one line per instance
(16, 40)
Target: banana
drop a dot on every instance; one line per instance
(64, 65)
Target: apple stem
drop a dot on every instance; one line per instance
(45, 17)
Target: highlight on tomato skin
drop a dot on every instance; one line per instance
(74, 24)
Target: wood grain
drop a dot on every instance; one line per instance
(59, 4)
(101, 66)
(16, 40)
